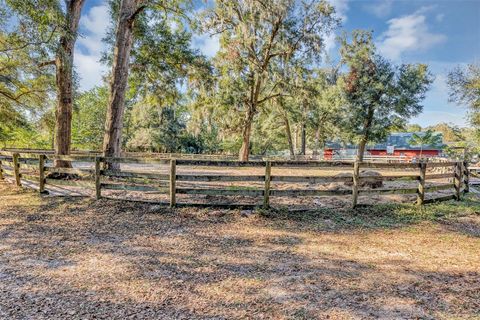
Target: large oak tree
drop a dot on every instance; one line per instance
(144, 40)
(47, 30)
(254, 34)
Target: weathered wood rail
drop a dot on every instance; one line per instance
(97, 177)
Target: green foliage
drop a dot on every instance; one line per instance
(379, 96)
(326, 111)
(167, 134)
(412, 128)
(255, 37)
(162, 58)
(24, 87)
(450, 132)
(378, 216)
(88, 121)
(29, 35)
(162, 63)
(464, 84)
(266, 76)
(428, 138)
(163, 129)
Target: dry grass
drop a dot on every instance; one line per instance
(83, 259)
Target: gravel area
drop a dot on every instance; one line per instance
(76, 258)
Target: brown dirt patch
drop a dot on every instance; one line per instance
(83, 259)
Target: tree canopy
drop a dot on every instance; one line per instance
(270, 89)
(464, 84)
(379, 96)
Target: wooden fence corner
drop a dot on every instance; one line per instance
(16, 169)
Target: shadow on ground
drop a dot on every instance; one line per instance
(78, 258)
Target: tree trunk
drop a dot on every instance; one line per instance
(295, 137)
(288, 130)
(317, 142)
(361, 148)
(289, 134)
(303, 134)
(303, 139)
(246, 133)
(367, 124)
(64, 81)
(112, 141)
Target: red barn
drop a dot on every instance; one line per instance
(399, 144)
(411, 153)
(396, 145)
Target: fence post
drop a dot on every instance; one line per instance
(356, 178)
(16, 169)
(466, 177)
(41, 174)
(173, 178)
(268, 172)
(98, 186)
(421, 183)
(458, 180)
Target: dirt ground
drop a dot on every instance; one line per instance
(76, 258)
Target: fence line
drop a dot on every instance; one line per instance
(12, 163)
(232, 157)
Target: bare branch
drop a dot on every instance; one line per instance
(136, 13)
(270, 97)
(46, 63)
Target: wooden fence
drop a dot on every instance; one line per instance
(37, 167)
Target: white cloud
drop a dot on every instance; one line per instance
(381, 8)
(406, 34)
(341, 8)
(90, 70)
(439, 17)
(96, 20)
(93, 26)
(207, 44)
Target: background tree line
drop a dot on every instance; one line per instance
(270, 88)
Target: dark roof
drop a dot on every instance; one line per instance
(401, 140)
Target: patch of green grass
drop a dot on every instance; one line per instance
(377, 216)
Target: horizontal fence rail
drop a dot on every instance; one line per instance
(94, 172)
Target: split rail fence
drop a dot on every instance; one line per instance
(38, 167)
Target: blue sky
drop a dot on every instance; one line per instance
(442, 34)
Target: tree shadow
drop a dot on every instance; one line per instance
(116, 259)
(464, 225)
